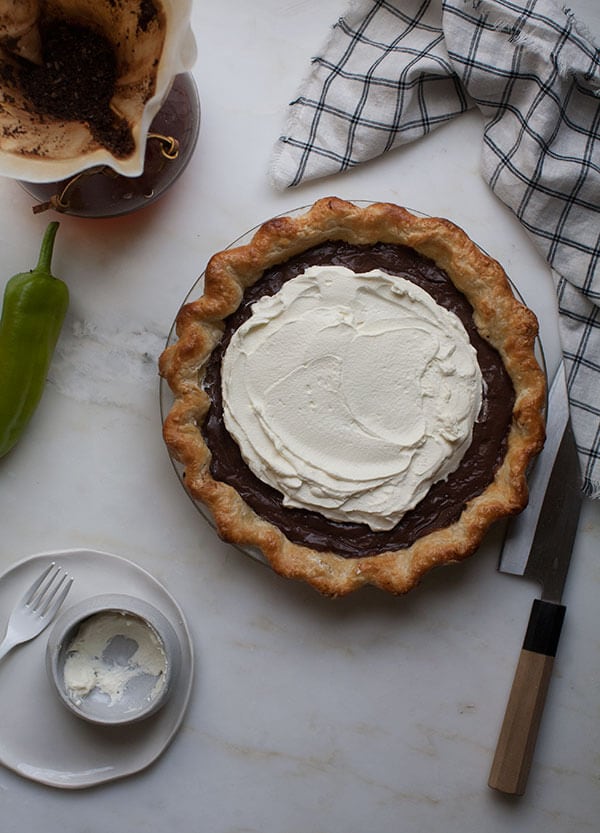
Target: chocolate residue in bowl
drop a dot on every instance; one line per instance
(76, 82)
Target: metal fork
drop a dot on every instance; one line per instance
(37, 608)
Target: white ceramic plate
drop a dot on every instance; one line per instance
(39, 738)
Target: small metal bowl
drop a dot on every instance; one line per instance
(113, 659)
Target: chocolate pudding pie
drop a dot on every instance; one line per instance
(356, 394)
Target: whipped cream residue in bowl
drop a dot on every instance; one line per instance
(113, 659)
(351, 393)
(111, 652)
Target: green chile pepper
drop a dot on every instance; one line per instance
(33, 311)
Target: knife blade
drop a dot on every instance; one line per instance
(555, 504)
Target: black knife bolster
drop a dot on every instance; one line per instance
(543, 630)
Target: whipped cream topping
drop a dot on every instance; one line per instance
(351, 394)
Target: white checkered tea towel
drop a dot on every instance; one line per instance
(393, 70)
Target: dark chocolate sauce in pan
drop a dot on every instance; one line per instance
(445, 500)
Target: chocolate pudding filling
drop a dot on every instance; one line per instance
(446, 499)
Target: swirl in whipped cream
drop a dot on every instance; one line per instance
(351, 394)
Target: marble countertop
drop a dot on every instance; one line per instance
(307, 714)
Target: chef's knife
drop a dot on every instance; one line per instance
(556, 508)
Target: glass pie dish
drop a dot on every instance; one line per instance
(502, 306)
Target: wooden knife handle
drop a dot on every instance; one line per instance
(516, 743)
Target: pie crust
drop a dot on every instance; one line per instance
(499, 317)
